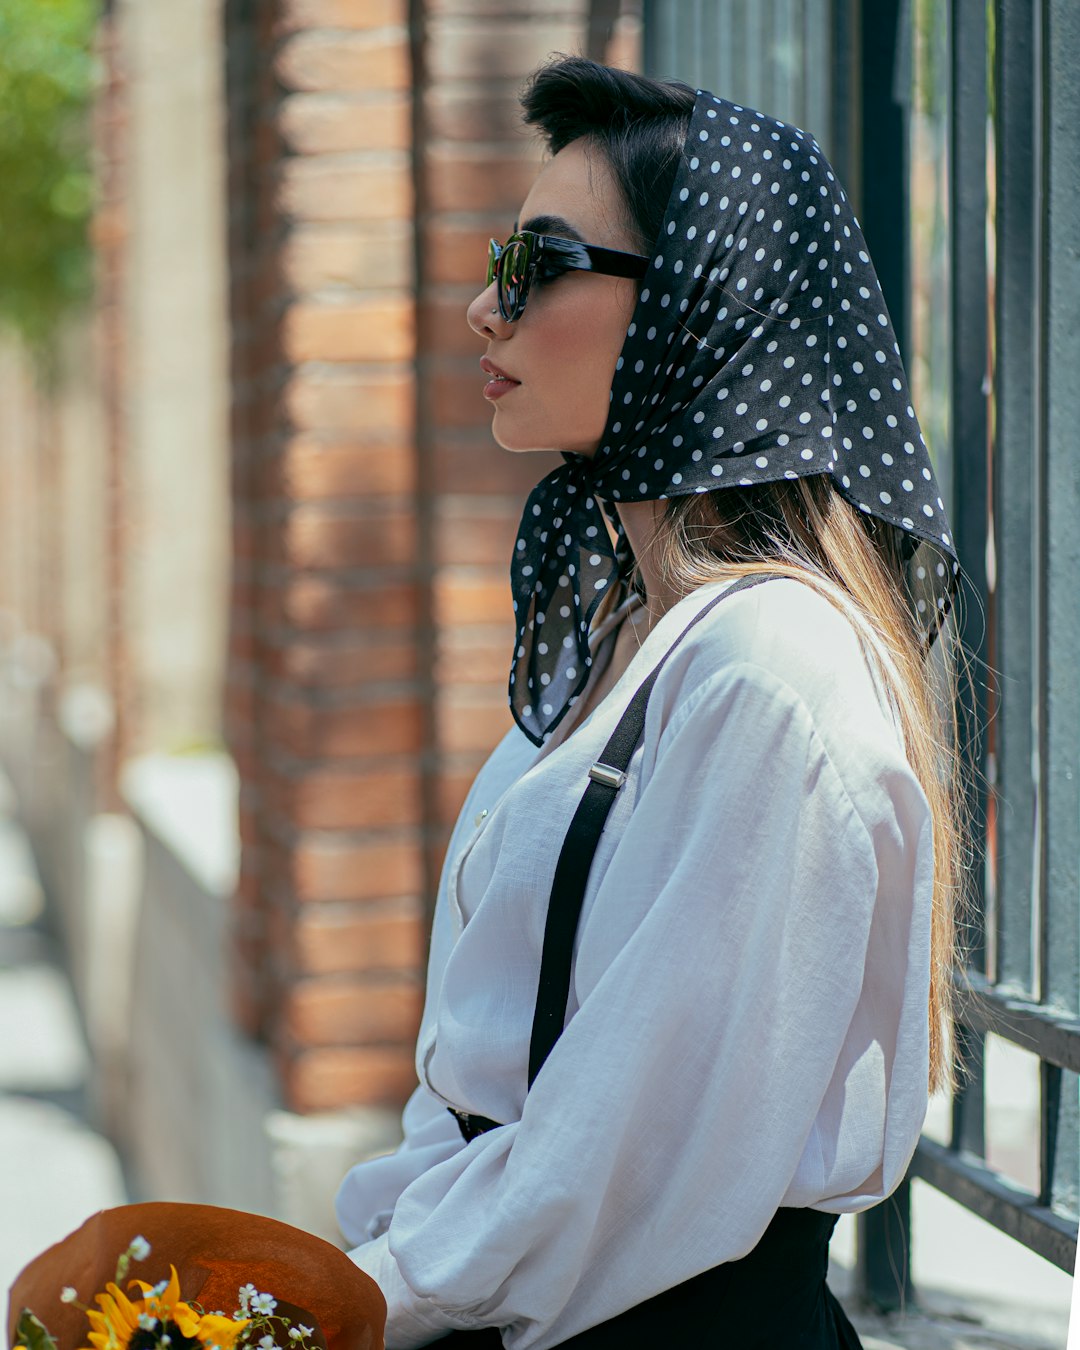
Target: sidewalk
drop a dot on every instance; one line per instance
(977, 1289)
(54, 1169)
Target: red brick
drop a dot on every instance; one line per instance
(444, 326)
(457, 396)
(540, 9)
(471, 463)
(465, 534)
(328, 869)
(350, 400)
(460, 50)
(317, 124)
(365, 330)
(324, 604)
(296, 14)
(332, 665)
(463, 657)
(353, 731)
(326, 1079)
(316, 537)
(339, 800)
(478, 112)
(472, 178)
(346, 1011)
(363, 61)
(452, 786)
(457, 253)
(360, 939)
(375, 255)
(314, 468)
(471, 718)
(345, 187)
(469, 597)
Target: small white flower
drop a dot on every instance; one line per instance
(247, 1292)
(139, 1248)
(306, 1331)
(67, 1294)
(264, 1304)
(160, 1288)
(294, 1333)
(165, 1340)
(147, 1322)
(267, 1343)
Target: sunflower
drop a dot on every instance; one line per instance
(120, 1323)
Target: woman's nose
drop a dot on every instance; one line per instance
(484, 317)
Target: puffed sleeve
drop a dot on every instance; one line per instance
(430, 1135)
(683, 1103)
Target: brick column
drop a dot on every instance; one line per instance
(374, 147)
(475, 166)
(325, 712)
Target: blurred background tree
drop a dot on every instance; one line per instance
(46, 187)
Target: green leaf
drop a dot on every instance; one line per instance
(32, 1333)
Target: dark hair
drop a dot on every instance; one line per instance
(638, 124)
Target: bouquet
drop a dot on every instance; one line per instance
(193, 1277)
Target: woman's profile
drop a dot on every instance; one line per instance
(687, 989)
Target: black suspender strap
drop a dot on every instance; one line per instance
(606, 777)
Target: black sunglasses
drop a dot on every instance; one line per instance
(527, 257)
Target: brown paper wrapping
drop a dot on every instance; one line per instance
(215, 1251)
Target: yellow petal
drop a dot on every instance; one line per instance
(124, 1307)
(186, 1318)
(109, 1316)
(221, 1331)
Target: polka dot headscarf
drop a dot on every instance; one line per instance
(760, 349)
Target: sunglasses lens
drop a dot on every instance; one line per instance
(494, 250)
(513, 278)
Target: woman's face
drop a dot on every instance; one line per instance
(559, 357)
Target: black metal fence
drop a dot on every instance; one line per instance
(981, 266)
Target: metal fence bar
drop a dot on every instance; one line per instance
(1014, 527)
(1054, 1037)
(967, 225)
(1020, 598)
(966, 1179)
(1059, 546)
(883, 1247)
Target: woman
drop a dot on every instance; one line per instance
(754, 995)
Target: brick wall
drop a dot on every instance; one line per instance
(374, 146)
(475, 166)
(325, 712)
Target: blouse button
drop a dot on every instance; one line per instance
(480, 818)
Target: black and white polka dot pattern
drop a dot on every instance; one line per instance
(760, 348)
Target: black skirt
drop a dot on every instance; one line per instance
(774, 1298)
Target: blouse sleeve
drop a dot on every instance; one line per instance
(668, 1123)
(430, 1135)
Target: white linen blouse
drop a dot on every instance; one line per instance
(747, 1025)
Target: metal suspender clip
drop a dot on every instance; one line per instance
(604, 773)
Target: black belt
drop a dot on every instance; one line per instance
(471, 1126)
(606, 777)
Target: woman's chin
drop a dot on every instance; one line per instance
(514, 439)
(518, 441)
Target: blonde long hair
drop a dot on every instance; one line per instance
(805, 529)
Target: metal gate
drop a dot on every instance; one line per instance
(984, 286)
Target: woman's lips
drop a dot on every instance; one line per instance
(500, 383)
(499, 386)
